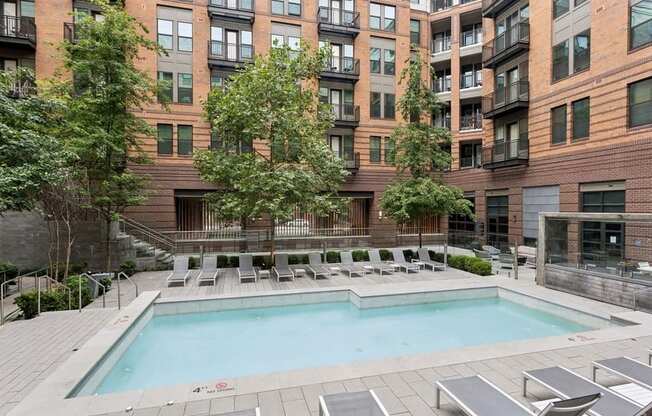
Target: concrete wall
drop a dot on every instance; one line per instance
(24, 239)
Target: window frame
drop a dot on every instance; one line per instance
(180, 38)
(586, 33)
(647, 123)
(375, 153)
(182, 90)
(631, 31)
(159, 34)
(417, 32)
(574, 136)
(159, 141)
(553, 122)
(189, 150)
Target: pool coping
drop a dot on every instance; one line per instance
(49, 397)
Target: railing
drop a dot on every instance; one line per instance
(518, 33)
(246, 5)
(475, 80)
(346, 112)
(149, 235)
(338, 17)
(442, 84)
(18, 27)
(119, 277)
(439, 46)
(37, 285)
(471, 37)
(414, 230)
(442, 122)
(504, 151)
(471, 122)
(97, 282)
(220, 234)
(230, 51)
(437, 5)
(503, 96)
(343, 65)
(297, 232)
(352, 164)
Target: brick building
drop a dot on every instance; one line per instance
(549, 103)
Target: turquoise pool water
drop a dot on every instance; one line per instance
(186, 348)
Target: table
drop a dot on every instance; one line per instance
(299, 272)
(419, 263)
(263, 274)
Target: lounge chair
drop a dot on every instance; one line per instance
(180, 272)
(627, 368)
(281, 268)
(477, 396)
(246, 271)
(481, 254)
(493, 251)
(424, 257)
(351, 404)
(376, 263)
(209, 271)
(399, 260)
(564, 384)
(348, 265)
(317, 268)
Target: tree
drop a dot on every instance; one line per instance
(420, 153)
(291, 165)
(101, 97)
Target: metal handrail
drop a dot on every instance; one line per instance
(37, 284)
(338, 17)
(88, 276)
(118, 282)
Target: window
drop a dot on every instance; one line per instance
(471, 76)
(246, 45)
(640, 24)
(471, 34)
(184, 91)
(374, 60)
(277, 41)
(165, 34)
(217, 81)
(389, 106)
(640, 103)
(559, 124)
(390, 18)
(278, 7)
(374, 16)
(294, 7)
(389, 150)
(184, 38)
(579, 2)
(560, 61)
(470, 155)
(382, 17)
(390, 66)
(559, 7)
(374, 149)
(164, 142)
(415, 32)
(442, 42)
(581, 117)
(184, 140)
(165, 81)
(582, 51)
(603, 242)
(27, 8)
(215, 141)
(375, 105)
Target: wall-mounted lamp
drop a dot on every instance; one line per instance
(380, 215)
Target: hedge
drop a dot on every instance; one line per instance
(55, 299)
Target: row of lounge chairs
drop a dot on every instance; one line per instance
(282, 270)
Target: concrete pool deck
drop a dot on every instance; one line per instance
(404, 384)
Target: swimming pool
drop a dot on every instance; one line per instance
(180, 348)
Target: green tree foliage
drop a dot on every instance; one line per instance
(420, 153)
(272, 103)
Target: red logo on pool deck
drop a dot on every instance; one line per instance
(220, 386)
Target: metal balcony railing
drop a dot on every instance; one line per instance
(230, 51)
(442, 84)
(515, 37)
(437, 5)
(441, 45)
(343, 65)
(471, 37)
(18, 27)
(442, 122)
(506, 153)
(503, 97)
(471, 122)
(472, 81)
(246, 5)
(338, 17)
(346, 112)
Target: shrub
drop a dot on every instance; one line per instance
(128, 267)
(360, 255)
(385, 255)
(332, 257)
(51, 300)
(222, 262)
(234, 261)
(193, 262)
(8, 270)
(107, 282)
(479, 267)
(73, 283)
(264, 262)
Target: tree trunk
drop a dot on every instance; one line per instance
(68, 248)
(420, 232)
(57, 250)
(108, 244)
(272, 236)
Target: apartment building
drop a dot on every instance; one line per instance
(567, 119)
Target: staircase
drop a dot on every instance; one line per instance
(153, 250)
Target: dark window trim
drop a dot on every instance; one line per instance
(629, 34)
(588, 135)
(552, 125)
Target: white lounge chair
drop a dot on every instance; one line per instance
(359, 403)
(348, 265)
(317, 267)
(180, 272)
(424, 257)
(399, 260)
(209, 271)
(376, 263)
(281, 269)
(628, 368)
(246, 271)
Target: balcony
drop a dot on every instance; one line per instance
(441, 50)
(342, 68)
(229, 55)
(338, 21)
(506, 99)
(346, 115)
(17, 31)
(510, 43)
(442, 122)
(491, 8)
(232, 9)
(506, 154)
(442, 87)
(352, 164)
(471, 122)
(440, 5)
(471, 42)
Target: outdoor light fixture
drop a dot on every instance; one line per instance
(380, 215)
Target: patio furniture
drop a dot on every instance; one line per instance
(246, 271)
(627, 368)
(299, 271)
(644, 267)
(481, 254)
(180, 272)
(317, 268)
(424, 257)
(399, 260)
(348, 265)
(506, 261)
(565, 384)
(360, 403)
(477, 396)
(493, 251)
(281, 267)
(209, 271)
(377, 264)
(530, 255)
(264, 274)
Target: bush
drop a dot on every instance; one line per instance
(193, 262)
(360, 255)
(479, 267)
(128, 267)
(222, 262)
(234, 261)
(385, 255)
(107, 282)
(264, 262)
(333, 257)
(73, 283)
(52, 300)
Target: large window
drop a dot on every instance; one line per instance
(640, 23)
(559, 7)
(498, 221)
(560, 61)
(640, 103)
(390, 102)
(389, 150)
(184, 140)
(374, 149)
(164, 141)
(389, 62)
(382, 17)
(375, 105)
(471, 76)
(603, 242)
(470, 154)
(184, 89)
(374, 60)
(165, 34)
(184, 36)
(558, 116)
(582, 51)
(165, 84)
(461, 228)
(581, 118)
(441, 42)
(471, 34)
(415, 32)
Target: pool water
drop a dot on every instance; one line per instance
(186, 348)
